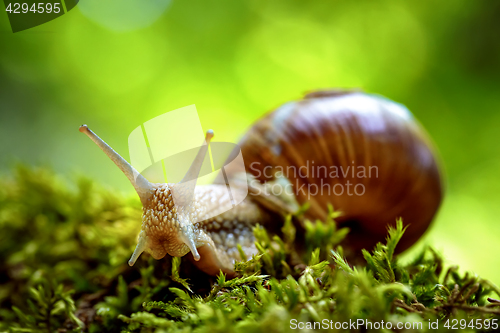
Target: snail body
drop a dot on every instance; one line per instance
(329, 131)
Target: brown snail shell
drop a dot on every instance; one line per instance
(351, 129)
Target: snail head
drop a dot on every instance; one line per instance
(169, 209)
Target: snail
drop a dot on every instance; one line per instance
(364, 154)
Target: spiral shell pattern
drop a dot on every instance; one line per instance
(348, 132)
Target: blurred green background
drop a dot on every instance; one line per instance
(114, 65)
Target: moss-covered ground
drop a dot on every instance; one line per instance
(64, 251)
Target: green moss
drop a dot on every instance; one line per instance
(65, 269)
